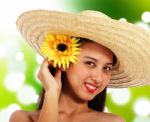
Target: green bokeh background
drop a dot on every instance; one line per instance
(129, 9)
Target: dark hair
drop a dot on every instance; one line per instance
(98, 103)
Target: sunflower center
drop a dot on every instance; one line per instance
(62, 47)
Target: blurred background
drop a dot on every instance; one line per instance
(19, 64)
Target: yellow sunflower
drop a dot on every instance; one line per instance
(61, 49)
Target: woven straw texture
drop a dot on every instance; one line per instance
(130, 44)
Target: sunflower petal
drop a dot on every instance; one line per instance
(49, 49)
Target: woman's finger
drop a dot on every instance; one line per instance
(58, 75)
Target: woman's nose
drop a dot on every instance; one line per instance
(97, 76)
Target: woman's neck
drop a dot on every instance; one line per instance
(69, 105)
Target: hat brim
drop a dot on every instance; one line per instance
(130, 43)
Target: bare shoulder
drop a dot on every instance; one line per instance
(22, 116)
(115, 118)
(108, 117)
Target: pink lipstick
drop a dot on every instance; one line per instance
(91, 88)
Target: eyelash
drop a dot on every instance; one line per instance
(90, 64)
(108, 68)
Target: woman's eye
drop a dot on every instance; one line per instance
(89, 63)
(108, 68)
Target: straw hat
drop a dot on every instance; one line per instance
(130, 44)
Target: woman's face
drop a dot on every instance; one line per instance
(91, 74)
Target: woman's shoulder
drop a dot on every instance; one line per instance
(23, 116)
(20, 115)
(108, 117)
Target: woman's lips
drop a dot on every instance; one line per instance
(91, 87)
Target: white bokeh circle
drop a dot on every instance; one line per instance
(142, 107)
(120, 96)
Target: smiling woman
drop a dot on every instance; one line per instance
(98, 102)
(84, 54)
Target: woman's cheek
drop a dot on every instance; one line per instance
(106, 80)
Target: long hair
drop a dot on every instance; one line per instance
(98, 103)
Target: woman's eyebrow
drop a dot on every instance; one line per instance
(91, 58)
(97, 60)
(109, 64)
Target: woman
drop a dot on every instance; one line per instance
(83, 68)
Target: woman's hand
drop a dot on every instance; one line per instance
(50, 83)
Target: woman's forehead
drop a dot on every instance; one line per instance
(96, 51)
(96, 46)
